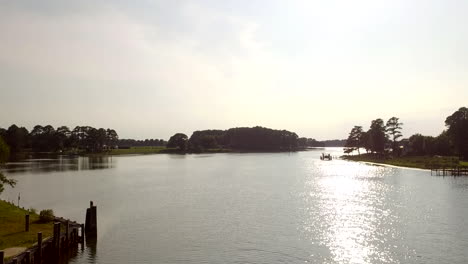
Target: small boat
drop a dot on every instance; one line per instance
(325, 156)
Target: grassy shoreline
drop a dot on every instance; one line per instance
(143, 151)
(420, 162)
(12, 227)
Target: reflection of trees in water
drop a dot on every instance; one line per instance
(57, 163)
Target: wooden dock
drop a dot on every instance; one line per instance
(66, 237)
(443, 171)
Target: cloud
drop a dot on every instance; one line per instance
(304, 66)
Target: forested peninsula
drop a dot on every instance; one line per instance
(384, 143)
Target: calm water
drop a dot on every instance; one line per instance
(252, 208)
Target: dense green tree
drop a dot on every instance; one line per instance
(457, 124)
(179, 141)
(355, 140)
(45, 138)
(4, 153)
(17, 138)
(376, 136)
(442, 145)
(63, 135)
(393, 129)
(417, 145)
(206, 139)
(260, 139)
(112, 138)
(126, 143)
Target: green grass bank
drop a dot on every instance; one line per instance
(12, 227)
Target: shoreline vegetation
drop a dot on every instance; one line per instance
(87, 140)
(418, 162)
(12, 227)
(382, 144)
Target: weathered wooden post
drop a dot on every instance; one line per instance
(2, 256)
(82, 233)
(27, 257)
(67, 235)
(27, 222)
(91, 220)
(39, 247)
(57, 236)
(14, 261)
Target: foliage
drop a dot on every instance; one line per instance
(127, 143)
(309, 142)
(46, 215)
(355, 140)
(457, 131)
(4, 153)
(393, 129)
(377, 137)
(373, 140)
(12, 231)
(15, 137)
(451, 142)
(32, 210)
(48, 139)
(246, 139)
(334, 143)
(179, 141)
(260, 139)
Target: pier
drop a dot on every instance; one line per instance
(67, 235)
(443, 171)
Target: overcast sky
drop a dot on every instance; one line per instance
(150, 69)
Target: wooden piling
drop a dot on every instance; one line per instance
(39, 247)
(91, 220)
(57, 236)
(82, 233)
(67, 235)
(27, 257)
(27, 222)
(50, 250)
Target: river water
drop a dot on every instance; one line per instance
(251, 208)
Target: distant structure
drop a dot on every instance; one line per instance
(326, 156)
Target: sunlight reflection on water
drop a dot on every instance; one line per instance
(348, 214)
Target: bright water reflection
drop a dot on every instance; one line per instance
(349, 213)
(252, 208)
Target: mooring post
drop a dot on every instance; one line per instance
(27, 222)
(91, 220)
(39, 247)
(57, 235)
(82, 233)
(28, 257)
(2, 255)
(67, 235)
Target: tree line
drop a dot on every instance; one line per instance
(127, 143)
(4, 154)
(384, 138)
(239, 138)
(48, 139)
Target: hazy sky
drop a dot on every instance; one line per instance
(150, 69)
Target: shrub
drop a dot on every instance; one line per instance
(32, 210)
(46, 215)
